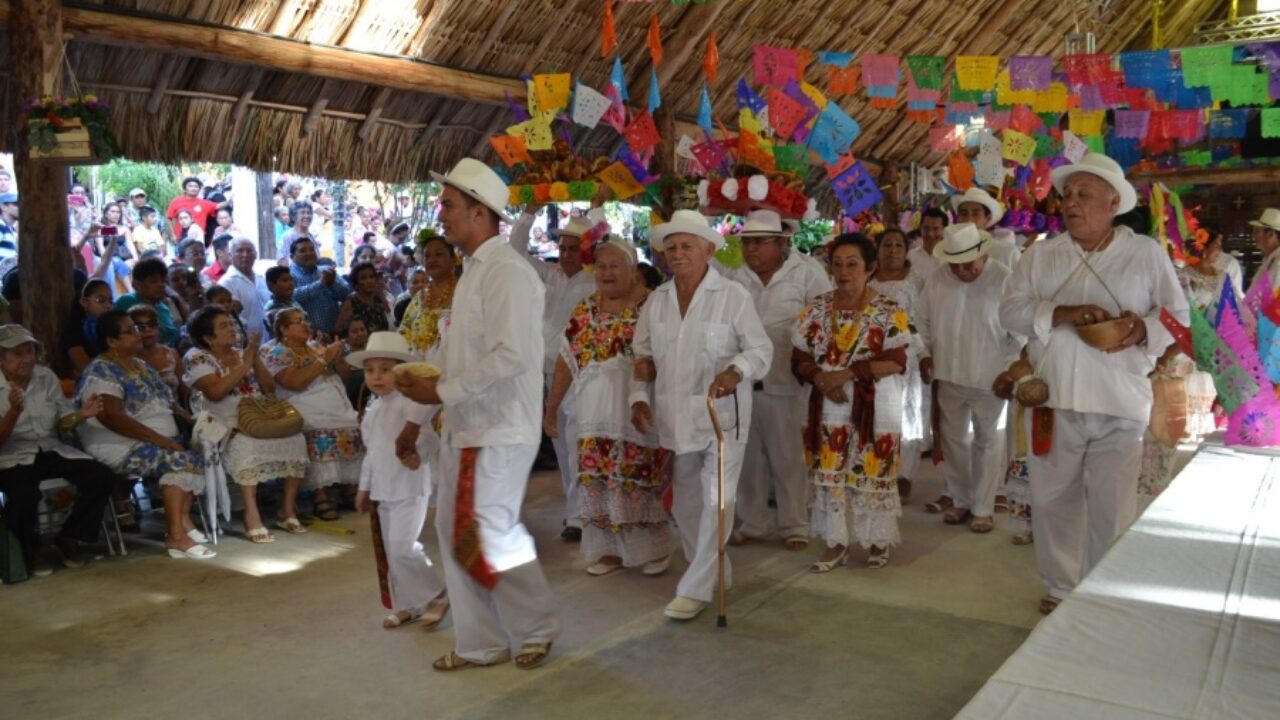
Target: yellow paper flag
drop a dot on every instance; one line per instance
(747, 122)
(1086, 122)
(1052, 100)
(536, 132)
(815, 95)
(977, 72)
(1006, 95)
(552, 91)
(620, 181)
(1018, 147)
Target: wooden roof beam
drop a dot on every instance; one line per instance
(281, 54)
(317, 108)
(1220, 176)
(163, 78)
(242, 104)
(375, 112)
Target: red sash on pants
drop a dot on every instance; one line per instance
(466, 527)
(380, 557)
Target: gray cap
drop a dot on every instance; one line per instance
(11, 336)
(9, 198)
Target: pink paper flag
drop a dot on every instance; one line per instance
(1030, 72)
(945, 138)
(1132, 123)
(1023, 120)
(880, 70)
(774, 66)
(997, 119)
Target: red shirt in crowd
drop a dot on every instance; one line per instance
(201, 210)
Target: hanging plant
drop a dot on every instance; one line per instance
(70, 129)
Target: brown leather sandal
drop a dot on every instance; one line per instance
(532, 655)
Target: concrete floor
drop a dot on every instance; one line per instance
(291, 630)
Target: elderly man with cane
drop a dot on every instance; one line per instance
(697, 335)
(1084, 487)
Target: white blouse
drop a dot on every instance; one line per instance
(719, 329)
(36, 429)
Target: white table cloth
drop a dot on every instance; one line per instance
(1181, 619)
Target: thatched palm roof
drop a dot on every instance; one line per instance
(170, 106)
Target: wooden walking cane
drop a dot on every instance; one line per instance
(721, 619)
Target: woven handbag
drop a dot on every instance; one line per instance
(267, 418)
(1168, 410)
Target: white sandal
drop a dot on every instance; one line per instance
(197, 536)
(824, 566)
(291, 526)
(195, 552)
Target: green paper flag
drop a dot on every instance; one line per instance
(1271, 122)
(1214, 357)
(1096, 144)
(927, 70)
(1200, 65)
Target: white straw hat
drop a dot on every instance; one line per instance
(1270, 219)
(388, 345)
(764, 223)
(479, 181)
(577, 227)
(1105, 168)
(982, 197)
(689, 222)
(961, 243)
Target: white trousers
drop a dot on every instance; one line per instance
(774, 459)
(414, 582)
(971, 421)
(567, 461)
(1084, 493)
(694, 506)
(490, 624)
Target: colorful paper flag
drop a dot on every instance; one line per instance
(1086, 69)
(1200, 64)
(833, 133)
(588, 106)
(1213, 356)
(945, 138)
(711, 59)
(747, 98)
(1132, 123)
(977, 72)
(609, 34)
(927, 70)
(1073, 148)
(1041, 178)
(773, 65)
(704, 111)
(785, 114)
(1023, 120)
(880, 71)
(616, 115)
(655, 96)
(654, 41)
(642, 133)
(843, 81)
(856, 189)
(552, 91)
(1017, 147)
(835, 59)
(536, 131)
(618, 78)
(1030, 72)
(1086, 122)
(620, 180)
(510, 148)
(1053, 100)
(959, 171)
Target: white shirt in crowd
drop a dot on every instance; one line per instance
(564, 293)
(251, 293)
(492, 343)
(778, 305)
(1082, 378)
(382, 475)
(719, 329)
(1227, 263)
(1003, 248)
(36, 429)
(922, 261)
(959, 326)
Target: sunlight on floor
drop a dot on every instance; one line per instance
(263, 565)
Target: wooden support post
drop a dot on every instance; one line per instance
(44, 255)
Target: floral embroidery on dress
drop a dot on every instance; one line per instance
(335, 444)
(197, 360)
(595, 335)
(420, 326)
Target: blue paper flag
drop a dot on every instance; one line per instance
(619, 78)
(856, 189)
(839, 59)
(1125, 151)
(655, 98)
(832, 135)
(704, 111)
(1228, 124)
(747, 98)
(1146, 69)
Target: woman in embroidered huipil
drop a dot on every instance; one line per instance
(851, 346)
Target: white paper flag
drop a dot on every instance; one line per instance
(1073, 148)
(990, 160)
(684, 148)
(588, 106)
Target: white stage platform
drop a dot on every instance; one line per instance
(1181, 619)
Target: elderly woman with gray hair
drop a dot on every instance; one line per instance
(305, 376)
(619, 469)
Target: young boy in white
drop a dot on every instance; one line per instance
(401, 486)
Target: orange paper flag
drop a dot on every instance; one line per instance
(655, 40)
(711, 61)
(609, 36)
(511, 148)
(960, 171)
